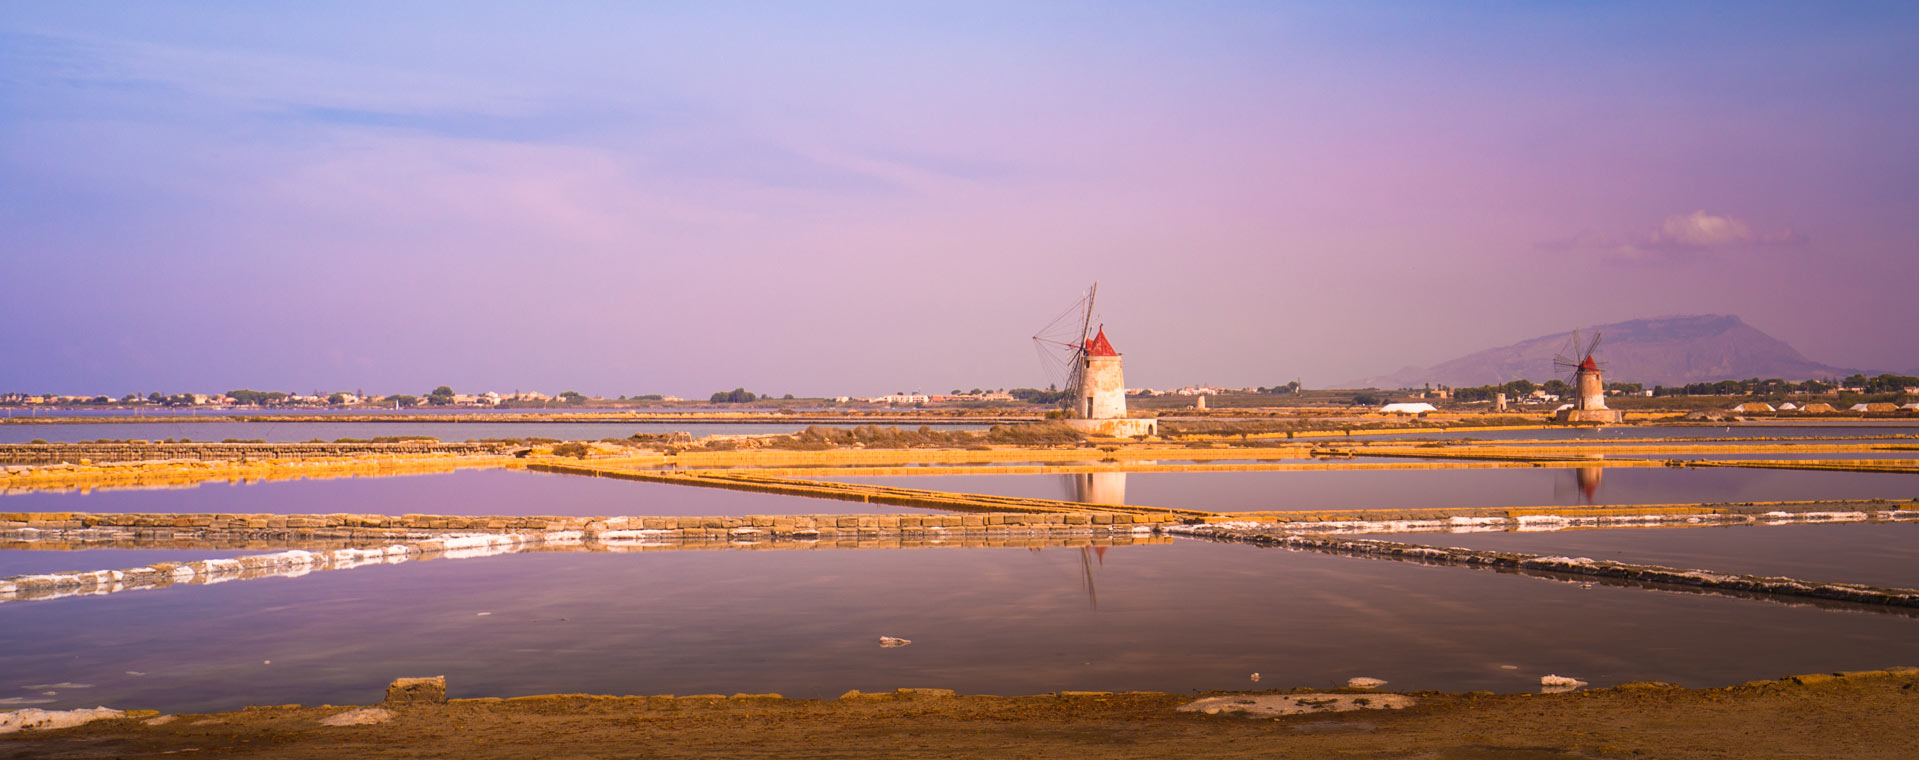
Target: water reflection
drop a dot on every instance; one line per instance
(1178, 616)
(1096, 487)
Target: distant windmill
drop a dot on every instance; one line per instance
(1095, 385)
(1584, 373)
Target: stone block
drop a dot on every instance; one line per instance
(416, 691)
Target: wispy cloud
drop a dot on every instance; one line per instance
(1696, 233)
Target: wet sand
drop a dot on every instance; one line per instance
(1863, 715)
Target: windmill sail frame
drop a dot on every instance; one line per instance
(1054, 348)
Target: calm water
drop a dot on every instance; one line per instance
(1878, 554)
(1175, 617)
(465, 492)
(1357, 489)
(284, 432)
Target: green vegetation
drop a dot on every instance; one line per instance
(573, 397)
(404, 400)
(735, 396)
(440, 396)
(256, 398)
(573, 449)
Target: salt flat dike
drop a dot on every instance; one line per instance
(1870, 715)
(925, 417)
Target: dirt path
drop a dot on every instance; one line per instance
(1866, 715)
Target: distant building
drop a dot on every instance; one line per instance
(901, 398)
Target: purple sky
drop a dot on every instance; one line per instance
(823, 198)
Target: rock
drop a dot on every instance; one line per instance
(890, 642)
(1362, 682)
(417, 691)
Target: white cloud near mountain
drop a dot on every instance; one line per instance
(1699, 232)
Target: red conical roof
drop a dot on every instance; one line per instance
(1588, 365)
(1098, 345)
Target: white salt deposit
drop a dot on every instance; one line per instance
(1362, 682)
(364, 716)
(43, 720)
(1557, 684)
(1297, 704)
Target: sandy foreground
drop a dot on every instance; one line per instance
(1871, 714)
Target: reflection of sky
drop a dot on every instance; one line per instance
(1175, 617)
(831, 197)
(1500, 487)
(465, 492)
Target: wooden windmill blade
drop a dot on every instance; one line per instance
(1061, 344)
(1568, 360)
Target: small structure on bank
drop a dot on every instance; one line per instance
(1096, 385)
(1589, 390)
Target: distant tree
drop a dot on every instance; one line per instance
(440, 396)
(573, 397)
(735, 396)
(1368, 399)
(788, 397)
(156, 398)
(1557, 387)
(336, 399)
(404, 400)
(1520, 387)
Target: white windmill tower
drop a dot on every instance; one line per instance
(1584, 374)
(1095, 384)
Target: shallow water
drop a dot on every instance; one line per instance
(1171, 617)
(286, 432)
(1358, 489)
(464, 492)
(1876, 554)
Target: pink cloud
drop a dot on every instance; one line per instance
(1681, 234)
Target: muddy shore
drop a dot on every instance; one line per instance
(1861, 715)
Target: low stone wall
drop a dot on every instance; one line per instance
(391, 540)
(77, 453)
(64, 525)
(1566, 566)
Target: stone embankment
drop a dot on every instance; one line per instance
(1561, 566)
(392, 539)
(79, 453)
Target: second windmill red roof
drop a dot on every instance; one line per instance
(1098, 345)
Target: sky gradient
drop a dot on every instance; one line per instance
(849, 198)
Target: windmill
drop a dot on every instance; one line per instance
(1095, 394)
(1062, 345)
(1583, 374)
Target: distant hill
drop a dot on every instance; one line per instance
(1661, 351)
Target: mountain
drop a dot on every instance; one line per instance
(1660, 351)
